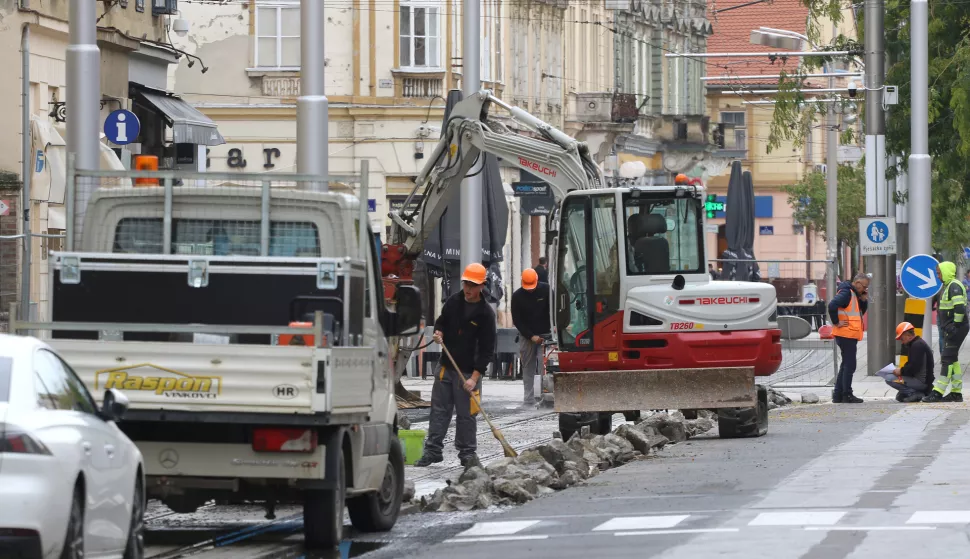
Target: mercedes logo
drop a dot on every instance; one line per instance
(168, 458)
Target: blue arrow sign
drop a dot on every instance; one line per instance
(918, 276)
(966, 253)
(121, 127)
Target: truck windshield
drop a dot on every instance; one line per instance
(663, 235)
(217, 237)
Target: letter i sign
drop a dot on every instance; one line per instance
(121, 127)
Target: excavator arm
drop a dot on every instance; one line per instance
(559, 159)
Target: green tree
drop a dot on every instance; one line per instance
(808, 198)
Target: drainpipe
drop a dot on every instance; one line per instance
(25, 173)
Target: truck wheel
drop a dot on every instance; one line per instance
(689, 414)
(734, 423)
(631, 415)
(323, 511)
(568, 426)
(377, 512)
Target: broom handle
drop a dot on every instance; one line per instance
(463, 379)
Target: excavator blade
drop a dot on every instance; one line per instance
(655, 389)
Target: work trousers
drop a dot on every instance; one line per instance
(950, 373)
(909, 386)
(843, 382)
(448, 396)
(529, 355)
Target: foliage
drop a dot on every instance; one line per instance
(808, 197)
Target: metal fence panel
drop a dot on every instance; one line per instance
(810, 361)
(10, 247)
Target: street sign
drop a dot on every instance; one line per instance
(766, 230)
(121, 127)
(4, 207)
(966, 253)
(877, 235)
(919, 276)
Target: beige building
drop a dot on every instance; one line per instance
(34, 34)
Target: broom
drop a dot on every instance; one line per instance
(509, 451)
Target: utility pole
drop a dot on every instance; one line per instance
(83, 103)
(920, 177)
(876, 199)
(471, 188)
(831, 194)
(312, 107)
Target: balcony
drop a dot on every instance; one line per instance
(683, 129)
(602, 108)
(419, 84)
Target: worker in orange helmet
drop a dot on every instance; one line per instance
(530, 315)
(467, 328)
(914, 379)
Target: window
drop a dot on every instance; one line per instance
(663, 235)
(217, 237)
(735, 133)
(420, 34)
(57, 387)
(572, 318)
(606, 263)
(278, 34)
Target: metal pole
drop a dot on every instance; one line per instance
(902, 217)
(831, 195)
(25, 172)
(891, 261)
(920, 177)
(879, 353)
(471, 191)
(364, 237)
(83, 101)
(264, 218)
(167, 217)
(70, 193)
(312, 107)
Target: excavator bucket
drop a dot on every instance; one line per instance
(655, 389)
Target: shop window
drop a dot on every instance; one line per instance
(278, 34)
(735, 133)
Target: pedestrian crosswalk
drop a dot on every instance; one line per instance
(726, 522)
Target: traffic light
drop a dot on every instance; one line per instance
(712, 206)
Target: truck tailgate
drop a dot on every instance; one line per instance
(198, 377)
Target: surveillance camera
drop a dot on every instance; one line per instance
(852, 88)
(181, 27)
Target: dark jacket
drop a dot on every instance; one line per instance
(530, 310)
(468, 330)
(543, 273)
(842, 299)
(919, 362)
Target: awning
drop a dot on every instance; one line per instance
(189, 126)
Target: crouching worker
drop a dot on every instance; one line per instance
(914, 379)
(466, 328)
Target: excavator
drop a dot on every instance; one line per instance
(638, 321)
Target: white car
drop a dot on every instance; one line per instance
(71, 483)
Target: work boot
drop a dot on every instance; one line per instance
(913, 398)
(953, 397)
(836, 398)
(426, 461)
(470, 461)
(933, 397)
(901, 398)
(851, 399)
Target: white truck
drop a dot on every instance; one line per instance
(248, 328)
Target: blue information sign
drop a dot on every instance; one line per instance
(121, 127)
(918, 276)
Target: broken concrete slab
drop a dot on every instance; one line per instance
(558, 454)
(778, 398)
(809, 398)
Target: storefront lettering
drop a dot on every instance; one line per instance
(270, 153)
(236, 160)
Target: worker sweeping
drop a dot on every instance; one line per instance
(466, 327)
(951, 318)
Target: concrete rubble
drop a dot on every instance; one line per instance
(810, 398)
(559, 464)
(777, 399)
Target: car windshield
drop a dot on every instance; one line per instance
(662, 235)
(217, 237)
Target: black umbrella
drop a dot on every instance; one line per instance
(734, 222)
(747, 245)
(442, 250)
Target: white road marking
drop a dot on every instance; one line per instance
(640, 523)
(664, 532)
(867, 528)
(940, 517)
(801, 518)
(497, 539)
(503, 528)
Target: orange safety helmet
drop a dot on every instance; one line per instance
(903, 328)
(474, 273)
(530, 279)
(681, 179)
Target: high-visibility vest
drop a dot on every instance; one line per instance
(851, 315)
(948, 303)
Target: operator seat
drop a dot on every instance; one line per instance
(652, 250)
(635, 230)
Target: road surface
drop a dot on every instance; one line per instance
(827, 482)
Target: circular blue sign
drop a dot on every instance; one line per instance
(877, 232)
(918, 276)
(121, 127)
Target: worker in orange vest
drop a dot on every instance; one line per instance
(851, 301)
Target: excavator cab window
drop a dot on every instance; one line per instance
(588, 256)
(663, 235)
